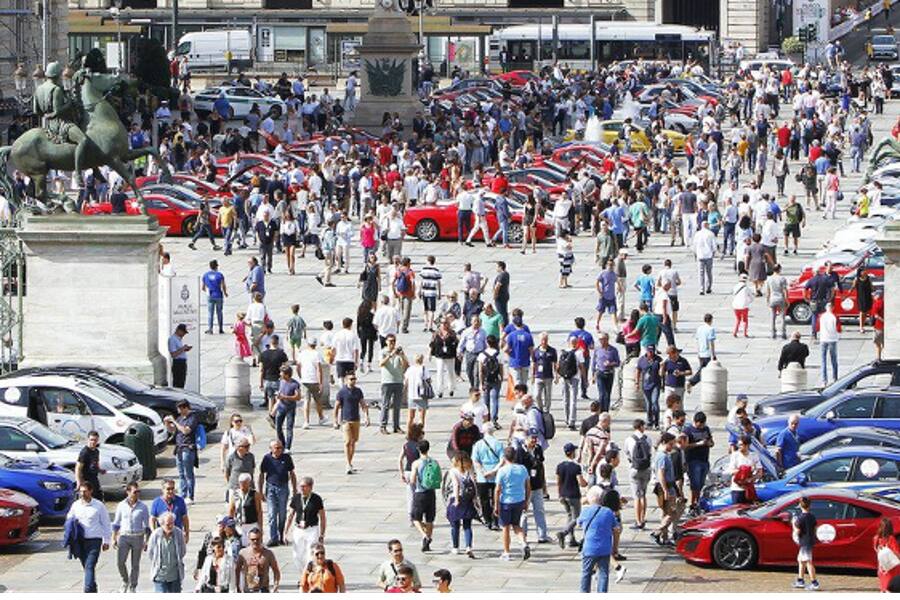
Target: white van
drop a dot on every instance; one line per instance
(207, 49)
(761, 66)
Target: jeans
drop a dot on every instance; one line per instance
(184, 460)
(777, 311)
(201, 231)
(214, 305)
(167, 587)
(651, 402)
(540, 517)
(814, 319)
(605, 382)
(270, 389)
(470, 361)
(284, 424)
(486, 496)
(706, 278)
(467, 532)
(90, 554)
(665, 324)
(391, 399)
(502, 232)
(406, 303)
(570, 399)
(276, 509)
(463, 223)
(728, 240)
(573, 510)
(228, 235)
(265, 256)
(131, 545)
(587, 571)
(697, 471)
(492, 395)
(502, 307)
(829, 348)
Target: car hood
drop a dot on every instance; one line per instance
(37, 468)
(770, 426)
(713, 518)
(787, 399)
(12, 497)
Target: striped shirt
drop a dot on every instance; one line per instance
(431, 277)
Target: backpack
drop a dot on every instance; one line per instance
(467, 491)
(640, 454)
(431, 475)
(401, 282)
(491, 368)
(568, 364)
(200, 437)
(547, 424)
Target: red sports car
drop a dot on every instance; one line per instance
(845, 302)
(516, 78)
(18, 517)
(179, 217)
(740, 538)
(438, 221)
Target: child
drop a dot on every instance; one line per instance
(804, 526)
(566, 260)
(296, 331)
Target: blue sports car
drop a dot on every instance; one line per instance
(868, 407)
(860, 468)
(52, 487)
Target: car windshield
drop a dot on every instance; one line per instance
(883, 40)
(835, 388)
(49, 438)
(104, 395)
(127, 382)
(760, 511)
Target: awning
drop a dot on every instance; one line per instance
(84, 23)
(430, 25)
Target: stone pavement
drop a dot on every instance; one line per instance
(367, 509)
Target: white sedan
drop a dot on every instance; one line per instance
(27, 439)
(240, 102)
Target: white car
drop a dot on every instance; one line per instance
(74, 407)
(28, 439)
(241, 99)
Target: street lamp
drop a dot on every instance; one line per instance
(114, 12)
(20, 78)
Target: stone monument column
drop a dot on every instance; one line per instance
(91, 293)
(890, 243)
(386, 63)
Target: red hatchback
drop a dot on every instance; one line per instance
(740, 538)
(18, 517)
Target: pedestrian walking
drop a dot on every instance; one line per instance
(741, 299)
(277, 481)
(829, 335)
(598, 523)
(166, 549)
(130, 532)
(348, 407)
(804, 528)
(256, 568)
(425, 478)
(776, 298)
(90, 515)
(213, 282)
(461, 510)
(512, 490)
(185, 429)
(306, 523)
(604, 362)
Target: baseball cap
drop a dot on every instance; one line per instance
(312, 341)
(569, 448)
(221, 519)
(534, 432)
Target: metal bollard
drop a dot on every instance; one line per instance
(714, 389)
(237, 383)
(793, 378)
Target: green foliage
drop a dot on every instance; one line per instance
(792, 45)
(151, 67)
(95, 61)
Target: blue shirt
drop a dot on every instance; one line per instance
(663, 461)
(615, 218)
(277, 470)
(598, 523)
(607, 281)
(584, 337)
(213, 281)
(520, 344)
(705, 335)
(258, 277)
(645, 284)
(487, 452)
(788, 442)
(511, 480)
(177, 508)
(605, 360)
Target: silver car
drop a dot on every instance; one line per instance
(884, 46)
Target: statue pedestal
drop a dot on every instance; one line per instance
(91, 293)
(386, 58)
(889, 241)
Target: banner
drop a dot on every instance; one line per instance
(179, 302)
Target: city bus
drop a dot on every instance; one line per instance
(615, 41)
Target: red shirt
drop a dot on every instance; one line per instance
(815, 152)
(784, 136)
(499, 184)
(786, 77)
(385, 155)
(391, 177)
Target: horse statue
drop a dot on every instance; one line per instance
(35, 153)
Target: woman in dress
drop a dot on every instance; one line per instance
(415, 376)
(365, 329)
(864, 297)
(289, 233)
(757, 260)
(566, 259)
(241, 343)
(461, 502)
(529, 223)
(370, 280)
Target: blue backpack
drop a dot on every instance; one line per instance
(200, 436)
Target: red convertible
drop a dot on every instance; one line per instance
(179, 217)
(18, 517)
(438, 221)
(845, 303)
(742, 537)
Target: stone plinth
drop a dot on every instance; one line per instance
(386, 71)
(890, 243)
(91, 293)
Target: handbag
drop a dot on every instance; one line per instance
(426, 390)
(620, 338)
(887, 559)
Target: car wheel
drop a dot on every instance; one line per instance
(427, 230)
(276, 112)
(515, 233)
(801, 313)
(189, 225)
(734, 550)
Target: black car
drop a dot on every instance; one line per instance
(850, 436)
(876, 374)
(163, 400)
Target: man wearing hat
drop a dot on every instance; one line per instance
(178, 352)
(214, 282)
(464, 434)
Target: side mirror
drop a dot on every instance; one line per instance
(32, 447)
(802, 479)
(784, 517)
(830, 415)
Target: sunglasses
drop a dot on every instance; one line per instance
(320, 554)
(238, 421)
(351, 379)
(401, 579)
(254, 540)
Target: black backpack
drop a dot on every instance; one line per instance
(640, 454)
(491, 369)
(467, 491)
(568, 364)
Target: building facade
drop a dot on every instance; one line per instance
(22, 38)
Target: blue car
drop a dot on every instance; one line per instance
(860, 468)
(867, 407)
(52, 487)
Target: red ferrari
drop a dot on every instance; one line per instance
(18, 517)
(179, 217)
(438, 221)
(740, 538)
(516, 78)
(845, 304)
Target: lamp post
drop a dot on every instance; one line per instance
(115, 13)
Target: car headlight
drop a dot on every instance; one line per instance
(118, 462)
(53, 485)
(11, 512)
(699, 532)
(768, 410)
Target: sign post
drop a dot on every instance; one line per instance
(179, 302)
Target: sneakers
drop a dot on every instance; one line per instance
(424, 544)
(799, 584)
(620, 573)
(813, 586)
(527, 552)
(505, 556)
(654, 535)
(188, 501)
(454, 551)
(306, 425)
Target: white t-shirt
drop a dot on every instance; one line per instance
(386, 320)
(737, 460)
(828, 328)
(308, 365)
(480, 410)
(346, 342)
(256, 312)
(413, 378)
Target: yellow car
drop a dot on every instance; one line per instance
(640, 142)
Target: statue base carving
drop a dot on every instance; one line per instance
(91, 293)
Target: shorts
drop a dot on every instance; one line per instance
(344, 368)
(417, 404)
(697, 472)
(351, 431)
(878, 338)
(639, 482)
(606, 305)
(673, 303)
(805, 554)
(792, 229)
(424, 506)
(430, 303)
(511, 514)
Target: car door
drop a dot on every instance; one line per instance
(836, 530)
(831, 472)
(67, 412)
(874, 470)
(856, 410)
(887, 412)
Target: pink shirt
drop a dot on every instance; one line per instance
(367, 235)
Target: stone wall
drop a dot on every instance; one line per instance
(25, 45)
(746, 22)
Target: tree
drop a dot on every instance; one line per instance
(95, 61)
(151, 67)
